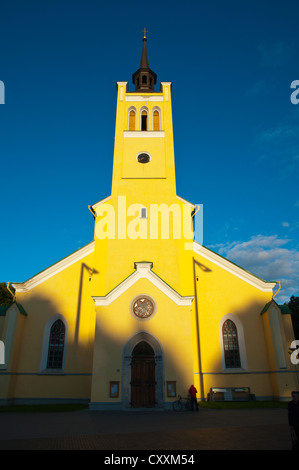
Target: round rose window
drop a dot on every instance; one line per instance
(143, 307)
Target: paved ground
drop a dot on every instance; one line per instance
(250, 429)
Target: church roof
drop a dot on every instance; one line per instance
(54, 269)
(4, 308)
(283, 308)
(230, 266)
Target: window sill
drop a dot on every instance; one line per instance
(234, 370)
(52, 372)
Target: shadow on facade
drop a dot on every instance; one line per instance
(26, 380)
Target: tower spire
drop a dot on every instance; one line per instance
(144, 78)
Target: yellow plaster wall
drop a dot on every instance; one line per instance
(116, 325)
(67, 293)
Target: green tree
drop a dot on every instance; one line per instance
(293, 305)
(5, 297)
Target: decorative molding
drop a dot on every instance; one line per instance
(147, 134)
(185, 201)
(54, 269)
(232, 268)
(144, 97)
(102, 201)
(143, 296)
(143, 271)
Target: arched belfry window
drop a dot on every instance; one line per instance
(144, 119)
(156, 120)
(132, 120)
(231, 345)
(56, 345)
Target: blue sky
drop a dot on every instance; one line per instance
(236, 131)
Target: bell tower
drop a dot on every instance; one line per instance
(145, 214)
(143, 150)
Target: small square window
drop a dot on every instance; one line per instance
(171, 388)
(114, 389)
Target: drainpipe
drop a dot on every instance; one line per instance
(13, 295)
(278, 282)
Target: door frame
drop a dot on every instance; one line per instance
(126, 367)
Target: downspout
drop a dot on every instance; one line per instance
(201, 382)
(13, 295)
(278, 282)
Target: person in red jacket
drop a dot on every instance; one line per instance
(193, 392)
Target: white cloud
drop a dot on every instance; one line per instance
(267, 257)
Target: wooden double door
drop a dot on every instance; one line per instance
(143, 376)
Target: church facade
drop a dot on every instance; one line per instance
(143, 311)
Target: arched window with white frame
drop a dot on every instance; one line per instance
(232, 341)
(231, 345)
(144, 119)
(54, 344)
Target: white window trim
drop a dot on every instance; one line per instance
(241, 341)
(156, 108)
(45, 346)
(131, 108)
(144, 108)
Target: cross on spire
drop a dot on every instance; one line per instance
(144, 78)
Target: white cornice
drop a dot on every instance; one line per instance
(185, 202)
(143, 271)
(132, 97)
(144, 134)
(232, 268)
(102, 201)
(54, 269)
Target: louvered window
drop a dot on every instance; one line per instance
(132, 121)
(156, 121)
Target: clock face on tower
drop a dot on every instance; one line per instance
(143, 158)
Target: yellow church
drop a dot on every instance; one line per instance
(144, 310)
